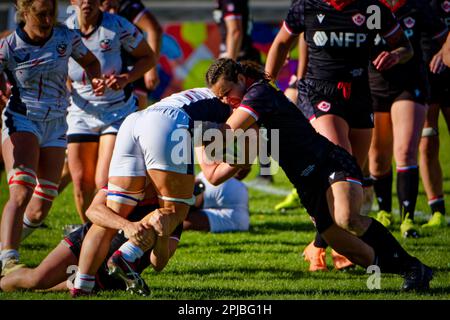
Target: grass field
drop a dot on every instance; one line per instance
(264, 263)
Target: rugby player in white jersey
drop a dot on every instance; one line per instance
(94, 121)
(35, 59)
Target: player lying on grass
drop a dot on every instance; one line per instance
(53, 272)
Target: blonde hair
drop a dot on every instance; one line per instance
(23, 6)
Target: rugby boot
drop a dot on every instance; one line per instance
(126, 271)
(316, 257)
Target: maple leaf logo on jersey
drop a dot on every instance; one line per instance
(105, 44)
(446, 6)
(409, 22)
(359, 19)
(61, 48)
(324, 106)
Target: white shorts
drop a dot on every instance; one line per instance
(88, 127)
(227, 220)
(50, 133)
(154, 138)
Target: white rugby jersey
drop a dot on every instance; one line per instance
(232, 194)
(38, 73)
(186, 97)
(105, 42)
(200, 104)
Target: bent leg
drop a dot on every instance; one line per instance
(16, 156)
(82, 159)
(51, 162)
(430, 166)
(350, 246)
(175, 191)
(50, 272)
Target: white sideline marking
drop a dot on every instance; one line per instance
(253, 184)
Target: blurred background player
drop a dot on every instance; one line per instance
(399, 96)
(439, 100)
(94, 121)
(135, 12)
(233, 18)
(34, 123)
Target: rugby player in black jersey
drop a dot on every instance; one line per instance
(438, 100)
(399, 95)
(233, 19)
(327, 177)
(335, 95)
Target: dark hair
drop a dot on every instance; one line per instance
(230, 69)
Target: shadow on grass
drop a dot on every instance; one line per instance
(271, 226)
(229, 293)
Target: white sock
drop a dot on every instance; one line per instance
(84, 282)
(28, 227)
(9, 254)
(131, 252)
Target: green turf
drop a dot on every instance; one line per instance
(264, 263)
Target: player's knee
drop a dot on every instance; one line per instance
(37, 280)
(22, 182)
(46, 190)
(406, 155)
(348, 221)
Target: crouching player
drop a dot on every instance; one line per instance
(53, 272)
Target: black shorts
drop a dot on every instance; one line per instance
(338, 165)
(102, 279)
(385, 93)
(320, 97)
(439, 88)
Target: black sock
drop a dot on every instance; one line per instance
(389, 254)
(407, 190)
(383, 190)
(437, 204)
(320, 242)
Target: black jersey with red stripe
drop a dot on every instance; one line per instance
(339, 40)
(234, 9)
(301, 148)
(416, 18)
